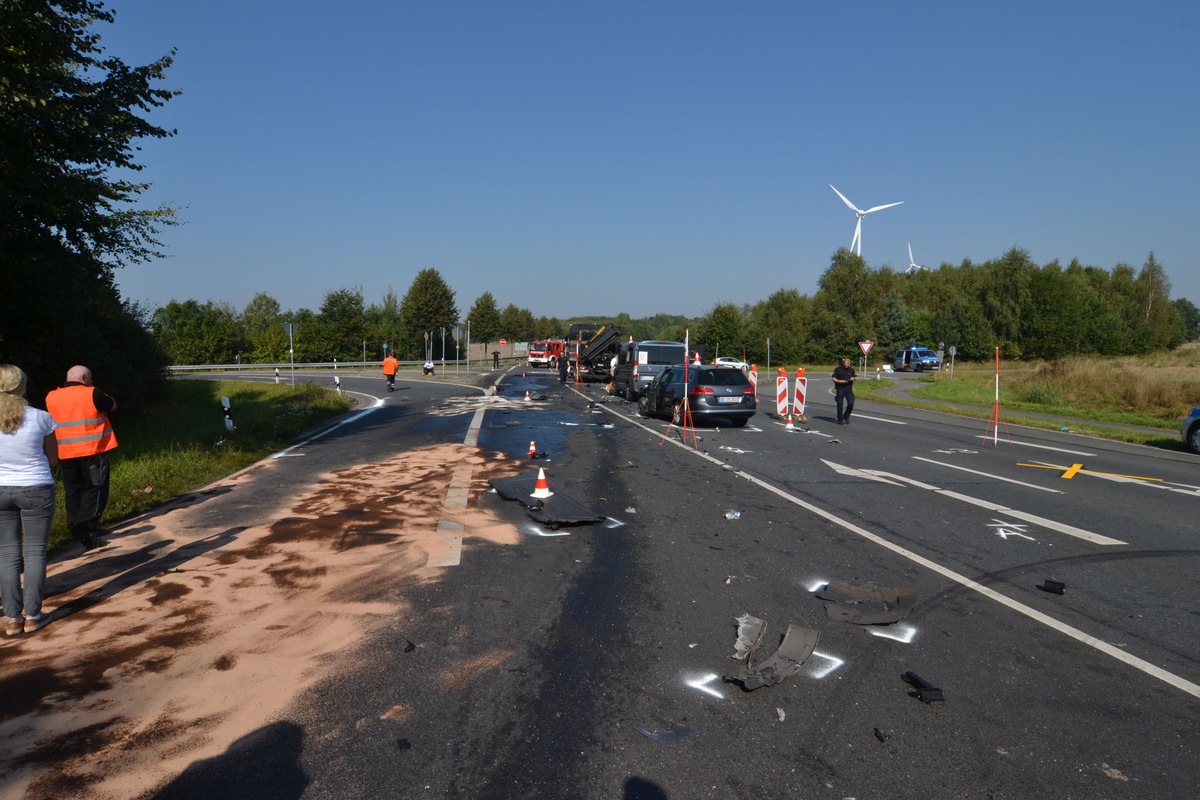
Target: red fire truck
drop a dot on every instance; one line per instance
(546, 352)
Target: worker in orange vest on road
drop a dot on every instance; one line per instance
(390, 365)
(85, 436)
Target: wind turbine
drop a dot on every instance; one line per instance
(912, 265)
(856, 243)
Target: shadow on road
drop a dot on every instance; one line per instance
(264, 763)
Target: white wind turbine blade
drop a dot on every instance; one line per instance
(844, 200)
(911, 263)
(881, 208)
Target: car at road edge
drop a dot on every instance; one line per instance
(1190, 430)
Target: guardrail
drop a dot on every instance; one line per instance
(442, 366)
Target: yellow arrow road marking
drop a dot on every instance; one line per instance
(1071, 471)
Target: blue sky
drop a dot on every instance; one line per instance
(595, 157)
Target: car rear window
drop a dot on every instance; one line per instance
(924, 353)
(722, 377)
(661, 355)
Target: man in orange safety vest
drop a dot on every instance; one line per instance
(390, 365)
(85, 436)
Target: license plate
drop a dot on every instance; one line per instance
(729, 399)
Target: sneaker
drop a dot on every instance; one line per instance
(14, 626)
(34, 623)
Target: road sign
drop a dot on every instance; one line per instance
(866, 346)
(504, 341)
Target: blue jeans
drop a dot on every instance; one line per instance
(30, 508)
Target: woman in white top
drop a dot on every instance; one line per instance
(28, 451)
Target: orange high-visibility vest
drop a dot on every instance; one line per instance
(82, 430)
(390, 365)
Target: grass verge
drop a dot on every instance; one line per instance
(181, 444)
(1091, 396)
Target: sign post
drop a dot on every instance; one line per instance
(866, 348)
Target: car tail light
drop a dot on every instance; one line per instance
(703, 390)
(748, 389)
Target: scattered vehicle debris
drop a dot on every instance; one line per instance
(779, 712)
(797, 645)
(925, 691)
(666, 737)
(1052, 586)
(749, 635)
(869, 604)
(731, 514)
(882, 736)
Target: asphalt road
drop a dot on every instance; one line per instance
(595, 661)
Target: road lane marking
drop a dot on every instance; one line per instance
(355, 417)
(988, 475)
(1044, 447)
(879, 419)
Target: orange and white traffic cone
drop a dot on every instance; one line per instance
(541, 489)
(789, 426)
(527, 397)
(532, 449)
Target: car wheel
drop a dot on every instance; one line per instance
(1193, 440)
(919, 368)
(630, 393)
(644, 406)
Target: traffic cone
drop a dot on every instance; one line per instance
(541, 489)
(532, 449)
(789, 426)
(527, 397)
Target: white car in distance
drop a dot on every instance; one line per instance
(728, 361)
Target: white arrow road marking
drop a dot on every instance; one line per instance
(857, 473)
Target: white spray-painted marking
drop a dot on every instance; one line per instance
(830, 665)
(905, 634)
(702, 682)
(1007, 529)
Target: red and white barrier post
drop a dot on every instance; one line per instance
(781, 396)
(801, 395)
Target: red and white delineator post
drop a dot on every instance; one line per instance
(754, 378)
(781, 397)
(800, 396)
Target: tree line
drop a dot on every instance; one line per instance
(1028, 311)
